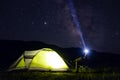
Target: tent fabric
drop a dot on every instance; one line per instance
(44, 59)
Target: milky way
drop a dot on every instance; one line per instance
(50, 21)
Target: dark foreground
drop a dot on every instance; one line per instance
(58, 76)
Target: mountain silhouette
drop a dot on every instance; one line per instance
(11, 50)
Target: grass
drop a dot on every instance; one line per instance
(35, 75)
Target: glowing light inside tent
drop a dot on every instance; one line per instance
(21, 63)
(48, 59)
(55, 61)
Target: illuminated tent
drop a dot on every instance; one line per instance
(44, 59)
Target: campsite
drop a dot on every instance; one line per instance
(21, 63)
(59, 40)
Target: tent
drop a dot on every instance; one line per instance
(45, 59)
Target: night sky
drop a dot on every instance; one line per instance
(50, 21)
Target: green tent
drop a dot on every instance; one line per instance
(44, 59)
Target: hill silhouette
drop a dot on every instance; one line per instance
(11, 50)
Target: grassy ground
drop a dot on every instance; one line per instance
(58, 76)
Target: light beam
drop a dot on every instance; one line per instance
(77, 23)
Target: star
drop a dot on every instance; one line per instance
(45, 23)
(117, 33)
(32, 22)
